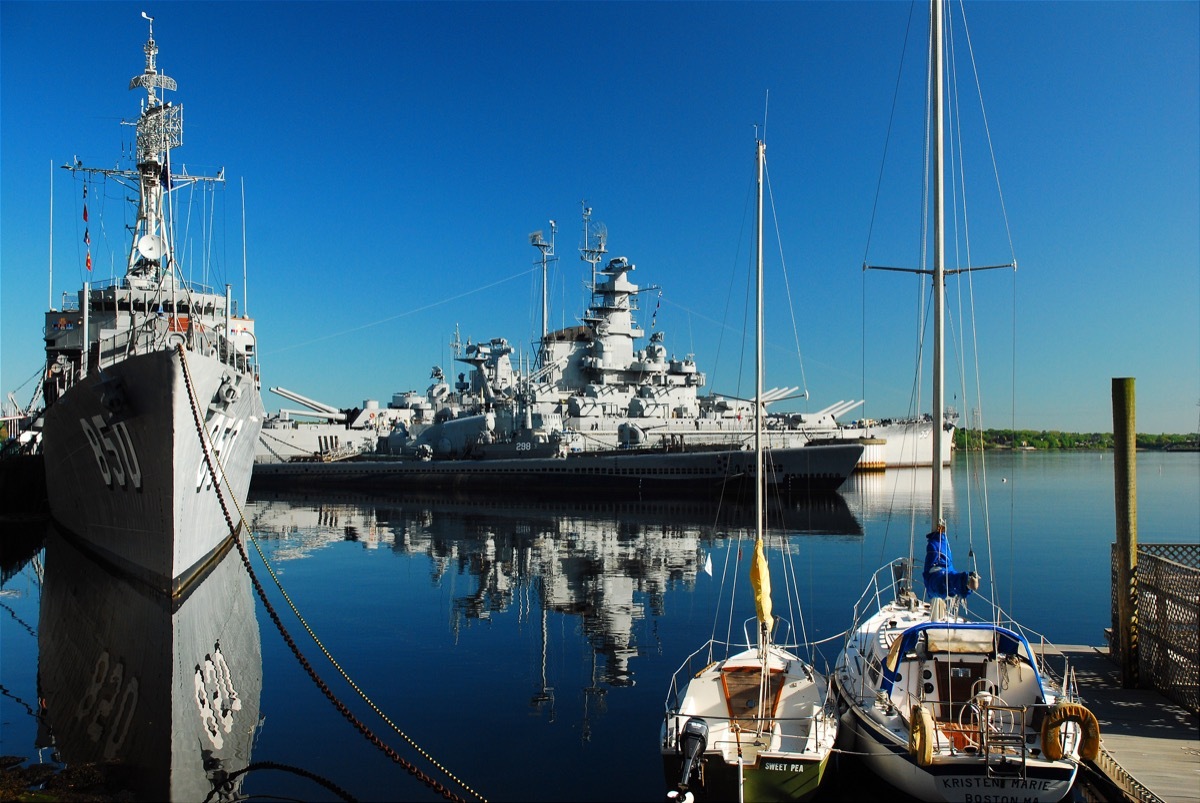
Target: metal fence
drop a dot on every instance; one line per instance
(1168, 620)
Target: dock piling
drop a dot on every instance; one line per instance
(1125, 629)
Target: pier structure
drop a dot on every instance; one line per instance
(1149, 745)
(1144, 689)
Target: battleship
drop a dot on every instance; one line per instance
(722, 472)
(594, 386)
(590, 387)
(148, 378)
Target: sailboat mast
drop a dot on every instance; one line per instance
(939, 267)
(759, 477)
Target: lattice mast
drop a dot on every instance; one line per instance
(159, 129)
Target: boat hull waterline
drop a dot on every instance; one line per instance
(785, 762)
(133, 484)
(810, 469)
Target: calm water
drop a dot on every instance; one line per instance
(527, 649)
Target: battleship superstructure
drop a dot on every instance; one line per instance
(593, 387)
(147, 377)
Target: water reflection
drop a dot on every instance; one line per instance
(168, 689)
(903, 491)
(594, 561)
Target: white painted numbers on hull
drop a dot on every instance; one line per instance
(215, 697)
(114, 452)
(223, 430)
(109, 704)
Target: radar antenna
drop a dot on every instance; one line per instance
(595, 239)
(547, 249)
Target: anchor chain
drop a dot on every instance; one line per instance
(360, 726)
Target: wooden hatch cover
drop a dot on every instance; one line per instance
(741, 684)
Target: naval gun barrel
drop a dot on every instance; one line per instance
(315, 414)
(331, 412)
(839, 408)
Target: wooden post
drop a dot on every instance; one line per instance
(1125, 485)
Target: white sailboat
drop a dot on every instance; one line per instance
(147, 377)
(941, 705)
(752, 723)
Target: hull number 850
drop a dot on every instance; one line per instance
(114, 452)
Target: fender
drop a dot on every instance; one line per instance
(920, 735)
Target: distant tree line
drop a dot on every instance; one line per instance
(1054, 439)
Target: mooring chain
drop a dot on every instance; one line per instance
(254, 766)
(360, 726)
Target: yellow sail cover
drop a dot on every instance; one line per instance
(760, 580)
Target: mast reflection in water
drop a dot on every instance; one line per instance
(168, 689)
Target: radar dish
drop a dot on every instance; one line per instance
(599, 232)
(150, 246)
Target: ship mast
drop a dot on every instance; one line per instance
(159, 129)
(589, 253)
(547, 251)
(151, 262)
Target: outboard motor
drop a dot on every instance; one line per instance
(693, 741)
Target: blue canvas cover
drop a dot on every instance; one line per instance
(1002, 641)
(940, 578)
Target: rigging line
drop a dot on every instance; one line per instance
(786, 284)
(722, 324)
(406, 313)
(4, 692)
(1012, 251)
(914, 401)
(19, 620)
(960, 186)
(209, 452)
(36, 374)
(888, 136)
(207, 248)
(721, 594)
(987, 131)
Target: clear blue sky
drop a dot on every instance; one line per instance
(396, 155)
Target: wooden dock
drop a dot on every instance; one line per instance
(1150, 746)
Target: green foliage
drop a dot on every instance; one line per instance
(1054, 439)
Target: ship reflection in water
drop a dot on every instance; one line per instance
(595, 561)
(166, 690)
(567, 606)
(520, 644)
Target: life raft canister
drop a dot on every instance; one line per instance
(1089, 741)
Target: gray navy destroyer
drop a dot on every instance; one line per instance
(148, 377)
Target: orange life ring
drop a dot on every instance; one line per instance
(1089, 742)
(920, 735)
